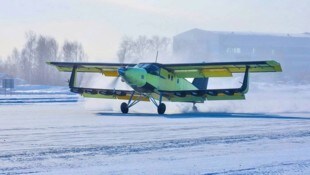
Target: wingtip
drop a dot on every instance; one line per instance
(276, 65)
(50, 63)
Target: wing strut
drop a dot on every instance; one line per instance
(72, 81)
(245, 84)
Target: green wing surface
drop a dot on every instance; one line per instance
(199, 96)
(221, 69)
(108, 69)
(108, 94)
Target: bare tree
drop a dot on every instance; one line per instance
(125, 49)
(72, 51)
(27, 60)
(142, 48)
(11, 63)
(30, 63)
(46, 50)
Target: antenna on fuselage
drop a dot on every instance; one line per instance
(156, 56)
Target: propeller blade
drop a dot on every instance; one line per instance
(121, 59)
(114, 82)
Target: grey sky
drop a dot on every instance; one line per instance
(100, 24)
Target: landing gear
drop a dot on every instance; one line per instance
(195, 109)
(161, 108)
(124, 108)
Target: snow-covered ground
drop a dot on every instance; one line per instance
(92, 137)
(37, 94)
(72, 139)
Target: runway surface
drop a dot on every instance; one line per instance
(67, 138)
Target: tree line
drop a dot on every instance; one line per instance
(29, 63)
(143, 48)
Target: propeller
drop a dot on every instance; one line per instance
(116, 80)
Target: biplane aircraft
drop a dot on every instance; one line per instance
(157, 82)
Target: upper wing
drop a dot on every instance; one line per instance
(108, 69)
(223, 69)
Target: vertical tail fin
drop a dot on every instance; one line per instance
(201, 83)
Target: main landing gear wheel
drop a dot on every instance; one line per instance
(161, 108)
(124, 108)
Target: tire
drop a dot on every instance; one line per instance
(161, 108)
(124, 108)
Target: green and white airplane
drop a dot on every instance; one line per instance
(157, 82)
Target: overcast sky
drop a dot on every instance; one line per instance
(100, 24)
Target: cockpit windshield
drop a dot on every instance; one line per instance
(150, 68)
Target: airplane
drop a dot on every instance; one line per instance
(158, 83)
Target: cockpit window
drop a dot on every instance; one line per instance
(140, 65)
(150, 68)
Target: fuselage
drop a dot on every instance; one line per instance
(152, 78)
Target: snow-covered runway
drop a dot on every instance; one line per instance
(71, 139)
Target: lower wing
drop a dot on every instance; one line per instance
(202, 95)
(108, 94)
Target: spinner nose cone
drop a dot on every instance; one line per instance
(135, 77)
(121, 71)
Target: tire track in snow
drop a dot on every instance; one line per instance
(132, 148)
(281, 168)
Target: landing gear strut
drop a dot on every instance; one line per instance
(195, 109)
(161, 107)
(125, 106)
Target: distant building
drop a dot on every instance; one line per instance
(17, 81)
(292, 50)
(4, 76)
